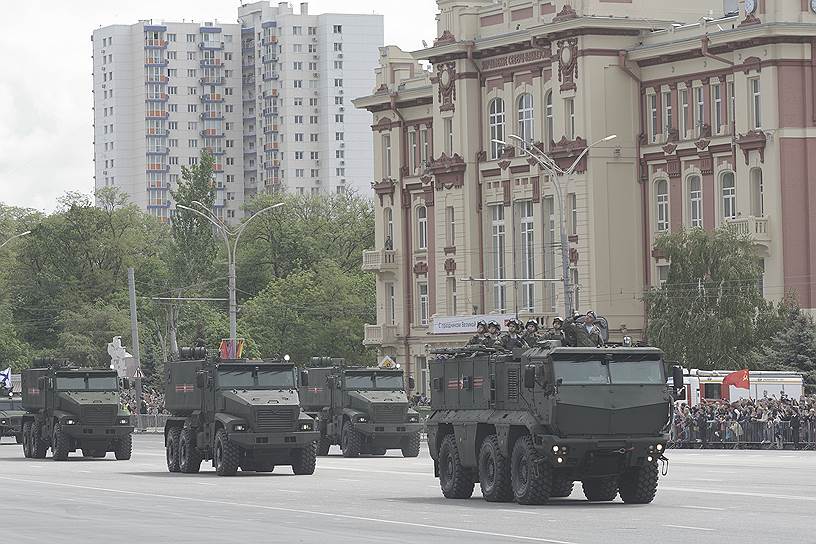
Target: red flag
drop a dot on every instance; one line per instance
(739, 379)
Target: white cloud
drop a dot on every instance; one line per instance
(45, 86)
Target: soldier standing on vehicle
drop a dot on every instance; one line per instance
(556, 332)
(586, 334)
(493, 330)
(511, 339)
(531, 335)
(481, 335)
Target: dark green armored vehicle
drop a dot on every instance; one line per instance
(70, 408)
(11, 418)
(363, 409)
(526, 425)
(239, 414)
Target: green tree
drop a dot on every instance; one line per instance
(707, 313)
(86, 331)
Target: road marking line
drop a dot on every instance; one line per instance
(688, 527)
(292, 511)
(739, 493)
(396, 472)
(701, 507)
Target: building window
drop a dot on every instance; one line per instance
(450, 223)
(761, 278)
(662, 274)
(388, 213)
(422, 227)
(662, 202)
(572, 209)
(424, 147)
(756, 103)
(684, 113)
(699, 109)
(549, 119)
(732, 103)
(412, 152)
(497, 231)
(550, 248)
(525, 117)
(653, 128)
(496, 121)
(668, 114)
(449, 136)
(716, 108)
(386, 150)
(452, 297)
(422, 289)
(527, 232)
(391, 303)
(570, 109)
(695, 201)
(729, 196)
(757, 193)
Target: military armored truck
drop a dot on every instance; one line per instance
(527, 425)
(11, 418)
(238, 413)
(70, 408)
(363, 409)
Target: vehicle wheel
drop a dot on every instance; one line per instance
(494, 472)
(304, 459)
(639, 485)
(27, 440)
(38, 445)
(410, 445)
(601, 489)
(18, 438)
(227, 455)
(351, 442)
(323, 446)
(561, 486)
(530, 474)
(455, 480)
(123, 448)
(379, 451)
(60, 443)
(172, 449)
(189, 456)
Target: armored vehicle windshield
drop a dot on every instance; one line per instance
(87, 382)
(596, 371)
(390, 381)
(253, 377)
(9, 405)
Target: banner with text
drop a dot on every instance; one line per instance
(466, 323)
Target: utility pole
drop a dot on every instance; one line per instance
(134, 334)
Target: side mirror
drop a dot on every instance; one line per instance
(437, 384)
(529, 377)
(201, 379)
(411, 383)
(677, 378)
(125, 383)
(304, 378)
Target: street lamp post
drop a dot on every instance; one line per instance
(26, 233)
(226, 234)
(556, 172)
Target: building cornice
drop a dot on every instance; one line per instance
(402, 99)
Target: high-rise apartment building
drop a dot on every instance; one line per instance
(268, 97)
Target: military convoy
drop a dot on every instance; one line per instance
(11, 418)
(238, 413)
(363, 409)
(526, 425)
(70, 408)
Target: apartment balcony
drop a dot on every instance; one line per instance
(157, 167)
(155, 44)
(269, 165)
(269, 40)
(156, 62)
(211, 80)
(157, 132)
(212, 115)
(268, 112)
(211, 63)
(212, 97)
(755, 228)
(250, 133)
(161, 97)
(248, 80)
(211, 45)
(212, 133)
(248, 115)
(271, 181)
(380, 334)
(271, 146)
(248, 63)
(270, 76)
(269, 129)
(158, 151)
(156, 79)
(270, 93)
(156, 114)
(269, 59)
(215, 151)
(380, 260)
(218, 167)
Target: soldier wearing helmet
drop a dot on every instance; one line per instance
(531, 335)
(556, 332)
(585, 331)
(493, 332)
(481, 336)
(512, 339)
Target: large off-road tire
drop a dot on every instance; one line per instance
(561, 486)
(530, 474)
(323, 446)
(27, 440)
(410, 445)
(172, 449)
(39, 447)
(189, 456)
(600, 489)
(304, 459)
(60, 443)
(494, 472)
(123, 448)
(455, 480)
(94, 453)
(639, 485)
(227, 455)
(351, 442)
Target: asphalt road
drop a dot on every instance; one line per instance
(715, 496)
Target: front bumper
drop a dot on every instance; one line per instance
(97, 432)
(387, 429)
(294, 439)
(601, 454)
(11, 426)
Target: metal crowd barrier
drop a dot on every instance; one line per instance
(714, 434)
(150, 422)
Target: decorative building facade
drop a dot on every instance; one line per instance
(714, 117)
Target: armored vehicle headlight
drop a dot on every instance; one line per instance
(650, 458)
(3, 422)
(413, 419)
(555, 449)
(306, 426)
(239, 427)
(361, 419)
(659, 447)
(69, 421)
(560, 460)
(124, 420)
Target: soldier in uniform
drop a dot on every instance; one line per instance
(586, 334)
(481, 335)
(531, 335)
(556, 332)
(493, 330)
(512, 339)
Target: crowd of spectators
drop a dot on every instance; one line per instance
(152, 402)
(768, 422)
(419, 400)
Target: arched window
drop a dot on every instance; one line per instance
(662, 202)
(422, 227)
(525, 117)
(757, 193)
(729, 196)
(548, 119)
(496, 120)
(388, 215)
(695, 202)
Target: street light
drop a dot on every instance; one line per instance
(26, 233)
(549, 164)
(227, 233)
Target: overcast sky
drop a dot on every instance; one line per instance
(45, 85)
